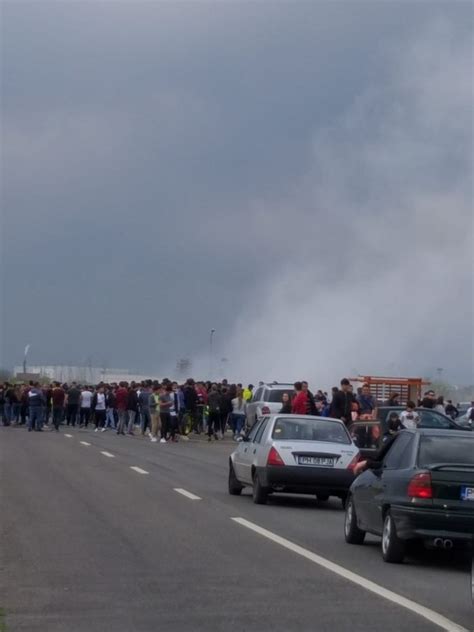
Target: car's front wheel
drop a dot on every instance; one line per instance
(260, 494)
(393, 549)
(352, 533)
(235, 487)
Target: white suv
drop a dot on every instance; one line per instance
(267, 400)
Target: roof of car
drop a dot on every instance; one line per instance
(279, 385)
(298, 417)
(442, 432)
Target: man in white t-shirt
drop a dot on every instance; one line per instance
(409, 417)
(86, 403)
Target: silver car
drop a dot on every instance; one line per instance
(298, 454)
(267, 400)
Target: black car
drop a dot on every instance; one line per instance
(422, 490)
(429, 418)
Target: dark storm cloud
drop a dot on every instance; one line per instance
(169, 168)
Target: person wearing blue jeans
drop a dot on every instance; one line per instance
(36, 406)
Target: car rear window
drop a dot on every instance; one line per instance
(277, 395)
(304, 429)
(446, 449)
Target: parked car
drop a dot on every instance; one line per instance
(266, 400)
(298, 454)
(428, 418)
(423, 491)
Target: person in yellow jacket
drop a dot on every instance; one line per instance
(248, 392)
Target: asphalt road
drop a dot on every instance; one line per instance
(90, 545)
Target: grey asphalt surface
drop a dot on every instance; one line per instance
(89, 545)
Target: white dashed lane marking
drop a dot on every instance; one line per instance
(84, 442)
(111, 456)
(187, 494)
(68, 436)
(138, 469)
(408, 604)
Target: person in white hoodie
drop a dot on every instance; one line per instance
(409, 417)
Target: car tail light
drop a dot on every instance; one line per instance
(274, 458)
(354, 462)
(266, 410)
(420, 486)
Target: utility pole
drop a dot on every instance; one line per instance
(213, 331)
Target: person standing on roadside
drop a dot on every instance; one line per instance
(214, 403)
(310, 403)
(73, 399)
(58, 397)
(299, 405)
(285, 404)
(409, 417)
(36, 406)
(239, 406)
(132, 407)
(341, 405)
(111, 407)
(99, 406)
(248, 393)
(144, 401)
(165, 415)
(85, 410)
(155, 413)
(366, 402)
(121, 396)
(190, 404)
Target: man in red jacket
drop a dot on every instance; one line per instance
(299, 405)
(121, 396)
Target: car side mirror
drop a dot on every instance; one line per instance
(355, 441)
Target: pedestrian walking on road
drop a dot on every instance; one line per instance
(36, 407)
(58, 397)
(166, 402)
(121, 396)
(214, 402)
(99, 406)
(73, 400)
(239, 409)
(132, 407)
(299, 405)
(86, 404)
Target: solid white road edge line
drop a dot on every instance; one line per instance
(111, 456)
(84, 443)
(68, 436)
(138, 469)
(399, 600)
(187, 494)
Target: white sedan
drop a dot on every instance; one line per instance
(297, 454)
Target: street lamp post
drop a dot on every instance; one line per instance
(213, 331)
(27, 348)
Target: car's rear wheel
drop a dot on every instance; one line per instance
(235, 487)
(260, 494)
(322, 497)
(352, 533)
(393, 549)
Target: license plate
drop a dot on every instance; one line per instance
(467, 493)
(322, 461)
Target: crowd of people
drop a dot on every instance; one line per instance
(167, 411)
(164, 411)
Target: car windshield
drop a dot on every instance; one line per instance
(447, 449)
(305, 429)
(277, 395)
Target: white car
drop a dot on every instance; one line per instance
(298, 454)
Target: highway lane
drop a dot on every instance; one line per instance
(89, 544)
(317, 526)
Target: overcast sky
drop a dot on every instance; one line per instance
(296, 175)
